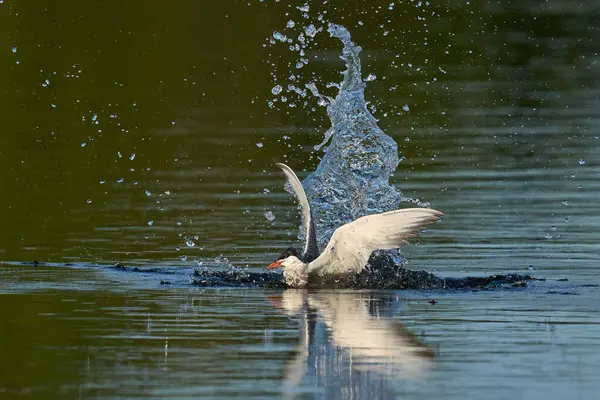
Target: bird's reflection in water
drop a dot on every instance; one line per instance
(350, 345)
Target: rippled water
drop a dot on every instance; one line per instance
(97, 334)
(504, 142)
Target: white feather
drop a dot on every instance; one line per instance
(351, 245)
(302, 199)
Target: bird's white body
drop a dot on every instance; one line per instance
(351, 245)
(295, 272)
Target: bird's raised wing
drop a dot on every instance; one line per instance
(351, 245)
(311, 250)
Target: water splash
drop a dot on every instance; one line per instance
(352, 179)
(385, 278)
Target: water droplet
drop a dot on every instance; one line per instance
(290, 24)
(46, 83)
(310, 30)
(119, 154)
(276, 90)
(304, 8)
(265, 190)
(299, 64)
(89, 201)
(553, 228)
(280, 36)
(548, 236)
(83, 144)
(405, 108)
(531, 268)
(221, 259)
(120, 180)
(581, 162)
(132, 156)
(14, 49)
(259, 144)
(102, 182)
(148, 193)
(371, 77)
(189, 242)
(183, 258)
(270, 216)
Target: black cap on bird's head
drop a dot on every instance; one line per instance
(290, 251)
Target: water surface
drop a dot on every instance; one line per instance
(500, 134)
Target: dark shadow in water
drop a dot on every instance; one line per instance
(386, 275)
(351, 340)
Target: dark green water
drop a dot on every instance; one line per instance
(501, 134)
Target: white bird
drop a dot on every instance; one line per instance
(351, 245)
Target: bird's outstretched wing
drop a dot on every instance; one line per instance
(311, 250)
(351, 245)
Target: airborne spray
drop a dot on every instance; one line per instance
(352, 179)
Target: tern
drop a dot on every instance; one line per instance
(351, 245)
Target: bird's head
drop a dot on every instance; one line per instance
(287, 258)
(295, 272)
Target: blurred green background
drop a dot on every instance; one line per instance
(130, 129)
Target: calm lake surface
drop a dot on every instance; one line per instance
(143, 135)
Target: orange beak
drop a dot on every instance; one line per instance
(274, 265)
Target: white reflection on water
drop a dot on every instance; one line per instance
(351, 340)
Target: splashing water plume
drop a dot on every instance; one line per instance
(352, 179)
